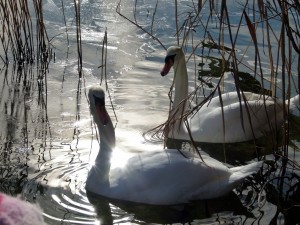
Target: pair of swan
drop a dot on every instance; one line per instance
(229, 118)
(162, 177)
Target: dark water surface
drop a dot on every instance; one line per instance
(48, 141)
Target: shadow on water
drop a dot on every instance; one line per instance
(183, 213)
(214, 67)
(285, 201)
(233, 153)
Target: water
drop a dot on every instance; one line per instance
(46, 152)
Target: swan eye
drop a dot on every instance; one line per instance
(172, 57)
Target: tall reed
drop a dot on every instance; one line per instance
(207, 30)
(24, 46)
(77, 4)
(18, 44)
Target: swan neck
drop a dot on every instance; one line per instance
(107, 137)
(181, 83)
(107, 143)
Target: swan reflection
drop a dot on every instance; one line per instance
(110, 211)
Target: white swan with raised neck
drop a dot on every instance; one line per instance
(161, 177)
(244, 119)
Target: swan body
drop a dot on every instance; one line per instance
(161, 177)
(240, 117)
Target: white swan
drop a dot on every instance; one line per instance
(260, 114)
(162, 177)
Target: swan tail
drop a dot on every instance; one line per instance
(241, 172)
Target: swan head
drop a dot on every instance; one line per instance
(96, 97)
(173, 57)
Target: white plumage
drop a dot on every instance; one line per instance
(162, 177)
(247, 117)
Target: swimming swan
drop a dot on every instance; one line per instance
(260, 114)
(162, 177)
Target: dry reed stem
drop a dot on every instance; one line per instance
(266, 12)
(118, 10)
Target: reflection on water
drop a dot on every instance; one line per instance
(59, 188)
(23, 118)
(198, 211)
(48, 141)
